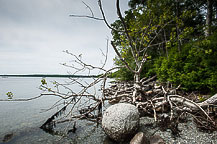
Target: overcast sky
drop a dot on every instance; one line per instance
(34, 34)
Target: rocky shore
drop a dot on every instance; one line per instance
(117, 125)
(189, 133)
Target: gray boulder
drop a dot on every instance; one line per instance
(120, 121)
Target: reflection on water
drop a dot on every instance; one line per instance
(20, 121)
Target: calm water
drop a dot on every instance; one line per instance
(22, 120)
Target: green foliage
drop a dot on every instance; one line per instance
(185, 58)
(123, 74)
(145, 20)
(43, 82)
(10, 95)
(195, 67)
(201, 98)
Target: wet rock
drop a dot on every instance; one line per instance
(139, 138)
(120, 121)
(156, 139)
(8, 137)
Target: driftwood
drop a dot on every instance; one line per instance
(153, 98)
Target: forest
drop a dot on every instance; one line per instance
(179, 39)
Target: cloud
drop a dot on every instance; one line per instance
(33, 35)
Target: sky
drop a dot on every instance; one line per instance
(34, 34)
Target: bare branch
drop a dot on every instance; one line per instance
(103, 15)
(82, 63)
(32, 98)
(133, 49)
(88, 8)
(119, 55)
(144, 53)
(85, 16)
(106, 54)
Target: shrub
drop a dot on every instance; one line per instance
(195, 67)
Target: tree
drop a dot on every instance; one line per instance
(142, 28)
(209, 16)
(181, 21)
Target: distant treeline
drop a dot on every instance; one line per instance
(51, 75)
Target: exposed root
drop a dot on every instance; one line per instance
(154, 99)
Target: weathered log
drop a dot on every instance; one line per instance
(210, 101)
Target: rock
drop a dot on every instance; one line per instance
(156, 139)
(7, 137)
(120, 121)
(139, 138)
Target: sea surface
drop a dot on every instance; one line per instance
(20, 121)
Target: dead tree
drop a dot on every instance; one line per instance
(132, 94)
(144, 93)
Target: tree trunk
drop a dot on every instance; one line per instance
(137, 86)
(215, 6)
(209, 17)
(177, 27)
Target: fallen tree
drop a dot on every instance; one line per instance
(155, 100)
(149, 96)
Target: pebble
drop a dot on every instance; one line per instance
(189, 133)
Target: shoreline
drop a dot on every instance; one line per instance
(49, 75)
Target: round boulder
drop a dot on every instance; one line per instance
(120, 121)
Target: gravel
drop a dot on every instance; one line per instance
(189, 133)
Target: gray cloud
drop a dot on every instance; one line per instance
(33, 34)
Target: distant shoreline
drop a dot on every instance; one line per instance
(49, 75)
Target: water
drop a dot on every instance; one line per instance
(20, 121)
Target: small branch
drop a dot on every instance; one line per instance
(184, 101)
(150, 43)
(133, 49)
(28, 99)
(106, 54)
(82, 63)
(148, 80)
(103, 15)
(119, 55)
(155, 114)
(88, 8)
(85, 16)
